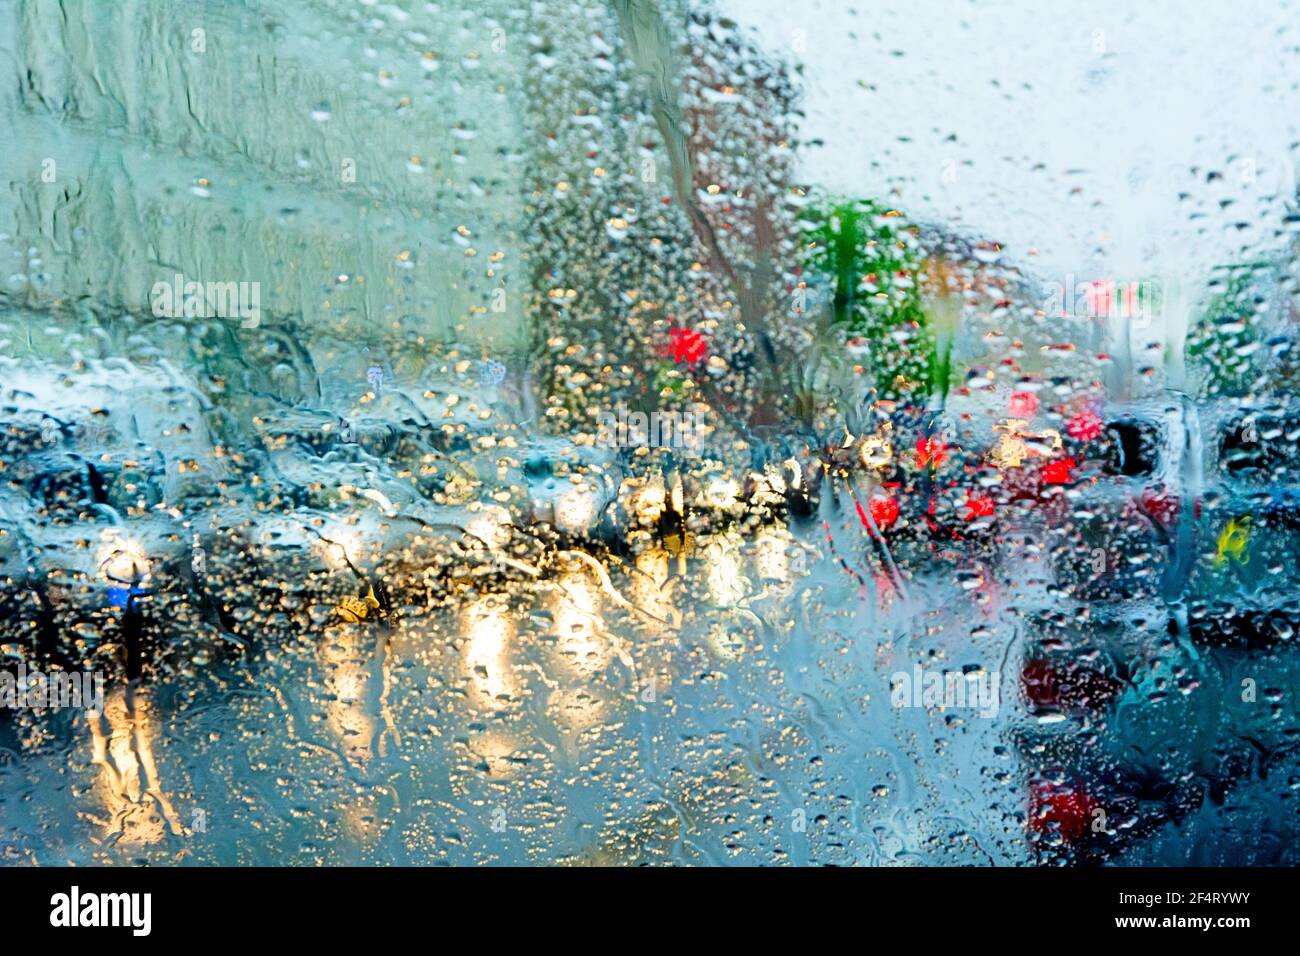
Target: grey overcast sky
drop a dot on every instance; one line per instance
(1071, 127)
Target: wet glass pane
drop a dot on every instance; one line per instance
(616, 432)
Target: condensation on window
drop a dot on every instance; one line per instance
(614, 432)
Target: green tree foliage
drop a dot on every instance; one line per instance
(1224, 341)
(870, 259)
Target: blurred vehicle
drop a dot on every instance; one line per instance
(1155, 691)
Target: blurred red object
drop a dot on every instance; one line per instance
(978, 506)
(931, 451)
(884, 511)
(1038, 679)
(1061, 806)
(1084, 426)
(1058, 472)
(1160, 506)
(687, 345)
(1023, 405)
